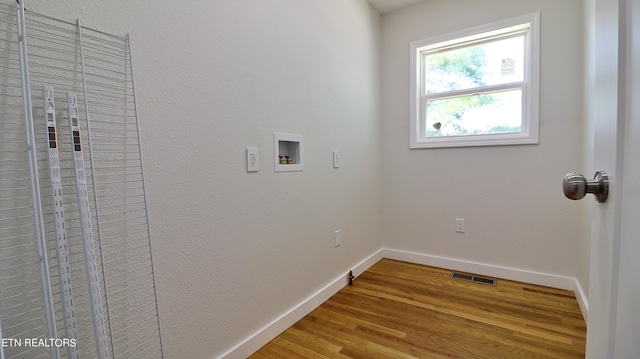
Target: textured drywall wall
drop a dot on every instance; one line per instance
(510, 196)
(234, 250)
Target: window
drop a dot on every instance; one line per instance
(477, 87)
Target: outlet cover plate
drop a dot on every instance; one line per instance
(253, 159)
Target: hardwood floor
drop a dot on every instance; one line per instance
(403, 310)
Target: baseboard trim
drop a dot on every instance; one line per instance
(489, 270)
(257, 340)
(581, 296)
(548, 280)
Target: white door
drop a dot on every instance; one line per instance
(613, 328)
(627, 335)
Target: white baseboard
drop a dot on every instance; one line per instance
(581, 296)
(489, 270)
(548, 280)
(273, 329)
(256, 341)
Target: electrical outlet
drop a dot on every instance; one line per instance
(336, 159)
(460, 225)
(253, 159)
(336, 239)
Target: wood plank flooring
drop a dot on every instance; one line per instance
(403, 310)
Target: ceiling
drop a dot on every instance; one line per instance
(385, 6)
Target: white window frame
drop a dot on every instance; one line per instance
(530, 86)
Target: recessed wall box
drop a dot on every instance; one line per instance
(289, 154)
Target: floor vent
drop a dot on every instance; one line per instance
(473, 278)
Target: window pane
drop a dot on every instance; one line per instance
(492, 113)
(490, 63)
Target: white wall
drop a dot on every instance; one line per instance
(233, 250)
(510, 196)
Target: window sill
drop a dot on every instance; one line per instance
(475, 140)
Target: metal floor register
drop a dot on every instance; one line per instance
(76, 273)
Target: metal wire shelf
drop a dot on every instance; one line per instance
(97, 67)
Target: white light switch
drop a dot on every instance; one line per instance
(253, 159)
(336, 159)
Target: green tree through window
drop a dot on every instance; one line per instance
(456, 70)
